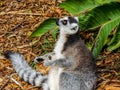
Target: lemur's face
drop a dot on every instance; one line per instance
(68, 25)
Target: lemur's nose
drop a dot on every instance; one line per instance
(57, 21)
(74, 28)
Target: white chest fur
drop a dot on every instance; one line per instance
(55, 72)
(59, 46)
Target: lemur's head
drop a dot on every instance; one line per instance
(68, 25)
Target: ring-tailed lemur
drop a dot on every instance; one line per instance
(72, 64)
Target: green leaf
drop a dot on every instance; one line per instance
(114, 46)
(115, 41)
(99, 16)
(47, 25)
(102, 36)
(116, 36)
(104, 1)
(54, 32)
(78, 6)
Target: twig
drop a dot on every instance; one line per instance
(2, 57)
(21, 13)
(103, 84)
(6, 83)
(55, 3)
(18, 25)
(32, 87)
(27, 45)
(16, 82)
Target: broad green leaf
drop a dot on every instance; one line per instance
(47, 25)
(100, 15)
(103, 35)
(78, 6)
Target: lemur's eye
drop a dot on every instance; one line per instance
(64, 22)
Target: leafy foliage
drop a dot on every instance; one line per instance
(100, 15)
(47, 25)
(115, 41)
(103, 35)
(78, 6)
(92, 14)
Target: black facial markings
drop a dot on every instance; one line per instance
(64, 22)
(74, 28)
(72, 20)
(57, 21)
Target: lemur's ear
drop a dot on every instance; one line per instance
(57, 21)
(76, 18)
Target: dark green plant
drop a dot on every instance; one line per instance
(104, 14)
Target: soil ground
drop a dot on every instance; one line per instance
(18, 19)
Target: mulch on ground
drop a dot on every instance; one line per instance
(18, 19)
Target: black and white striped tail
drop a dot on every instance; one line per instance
(25, 71)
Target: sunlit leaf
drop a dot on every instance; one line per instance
(115, 41)
(47, 25)
(104, 1)
(100, 15)
(78, 6)
(103, 35)
(114, 46)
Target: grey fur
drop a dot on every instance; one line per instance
(25, 71)
(76, 61)
(72, 64)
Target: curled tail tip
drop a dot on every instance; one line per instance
(8, 53)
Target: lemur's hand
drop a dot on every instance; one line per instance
(48, 62)
(39, 59)
(48, 56)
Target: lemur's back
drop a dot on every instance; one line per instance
(82, 75)
(81, 54)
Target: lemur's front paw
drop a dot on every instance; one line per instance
(38, 59)
(43, 58)
(48, 63)
(48, 56)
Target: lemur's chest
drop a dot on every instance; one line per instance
(59, 47)
(54, 74)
